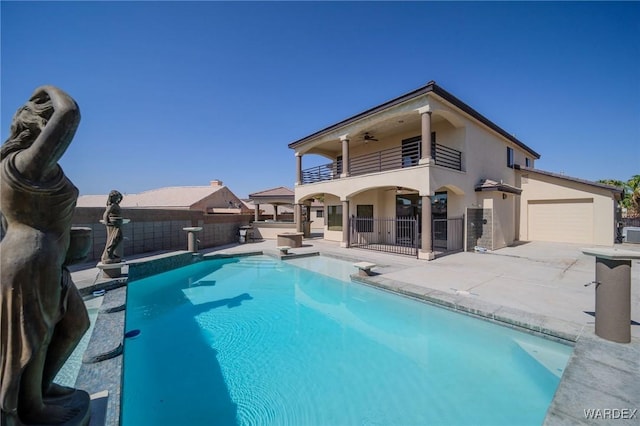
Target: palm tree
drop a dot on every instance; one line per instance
(633, 185)
(631, 195)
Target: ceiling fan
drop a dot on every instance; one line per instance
(368, 137)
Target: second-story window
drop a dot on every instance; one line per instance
(509, 157)
(527, 162)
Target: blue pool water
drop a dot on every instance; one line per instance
(253, 341)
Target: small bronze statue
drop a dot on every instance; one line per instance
(42, 315)
(113, 221)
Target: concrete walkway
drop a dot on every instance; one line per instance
(541, 286)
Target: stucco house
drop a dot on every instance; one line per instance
(467, 185)
(214, 198)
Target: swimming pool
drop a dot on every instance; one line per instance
(69, 372)
(259, 341)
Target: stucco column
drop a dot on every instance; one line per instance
(275, 212)
(256, 213)
(298, 168)
(425, 116)
(426, 251)
(297, 216)
(345, 224)
(345, 155)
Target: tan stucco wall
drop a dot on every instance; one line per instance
(317, 223)
(270, 230)
(537, 188)
(503, 216)
(416, 178)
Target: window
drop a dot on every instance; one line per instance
(509, 157)
(334, 216)
(364, 216)
(319, 213)
(527, 162)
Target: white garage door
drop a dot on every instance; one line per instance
(567, 221)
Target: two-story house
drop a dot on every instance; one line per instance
(467, 185)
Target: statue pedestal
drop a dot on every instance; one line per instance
(78, 404)
(111, 270)
(192, 238)
(613, 292)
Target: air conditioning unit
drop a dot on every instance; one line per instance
(631, 234)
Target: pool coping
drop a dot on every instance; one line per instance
(596, 371)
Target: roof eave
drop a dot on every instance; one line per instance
(400, 99)
(429, 87)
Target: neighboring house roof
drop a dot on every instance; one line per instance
(279, 195)
(174, 196)
(492, 185)
(182, 197)
(273, 192)
(430, 87)
(618, 191)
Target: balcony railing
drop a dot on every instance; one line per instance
(446, 157)
(407, 155)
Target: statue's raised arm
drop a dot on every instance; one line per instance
(43, 129)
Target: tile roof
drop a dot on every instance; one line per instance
(280, 191)
(492, 185)
(173, 196)
(612, 188)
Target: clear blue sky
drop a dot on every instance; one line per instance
(180, 93)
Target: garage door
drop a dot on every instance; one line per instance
(567, 221)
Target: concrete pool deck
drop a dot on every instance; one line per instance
(538, 286)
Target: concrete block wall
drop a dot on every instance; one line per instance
(160, 229)
(479, 228)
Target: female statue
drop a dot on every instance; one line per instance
(42, 315)
(113, 221)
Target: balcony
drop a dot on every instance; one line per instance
(407, 155)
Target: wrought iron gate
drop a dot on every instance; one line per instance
(398, 235)
(401, 235)
(448, 234)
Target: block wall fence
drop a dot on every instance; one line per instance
(157, 230)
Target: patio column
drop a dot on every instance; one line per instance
(275, 212)
(426, 251)
(425, 148)
(345, 224)
(297, 216)
(256, 213)
(298, 168)
(345, 156)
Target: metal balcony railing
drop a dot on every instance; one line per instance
(446, 157)
(407, 155)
